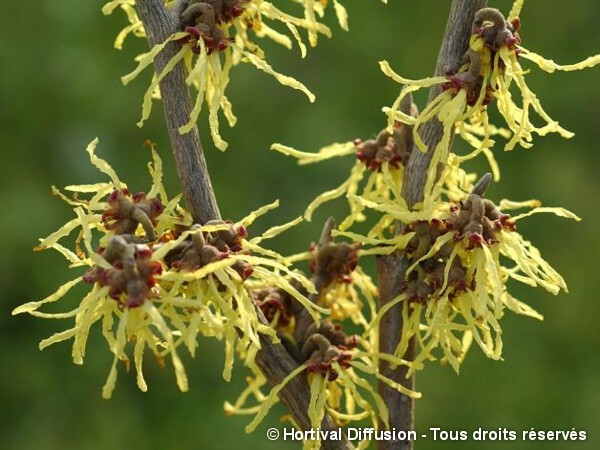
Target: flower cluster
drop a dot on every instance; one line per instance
(336, 364)
(455, 288)
(378, 168)
(456, 243)
(159, 281)
(490, 70)
(214, 36)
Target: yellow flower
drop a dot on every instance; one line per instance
(490, 72)
(215, 38)
(159, 282)
(455, 288)
(337, 366)
(341, 387)
(135, 26)
(377, 173)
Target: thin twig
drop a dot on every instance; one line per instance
(273, 360)
(303, 318)
(454, 45)
(160, 24)
(391, 269)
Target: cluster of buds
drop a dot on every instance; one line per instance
(386, 147)
(317, 344)
(429, 275)
(203, 20)
(132, 276)
(495, 32)
(393, 148)
(125, 212)
(324, 344)
(207, 247)
(276, 304)
(333, 261)
(478, 220)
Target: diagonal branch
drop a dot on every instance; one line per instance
(273, 360)
(197, 189)
(391, 269)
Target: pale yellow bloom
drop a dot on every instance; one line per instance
(209, 59)
(379, 185)
(348, 397)
(490, 75)
(140, 295)
(457, 288)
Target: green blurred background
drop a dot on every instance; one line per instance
(60, 88)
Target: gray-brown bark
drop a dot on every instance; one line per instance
(177, 104)
(391, 268)
(273, 360)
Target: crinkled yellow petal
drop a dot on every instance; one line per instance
(117, 349)
(272, 398)
(250, 218)
(147, 101)
(87, 188)
(425, 82)
(560, 212)
(276, 230)
(148, 58)
(397, 386)
(102, 165)
(515, 11)
(197, 73)
(298, 39)
(283, 79)
(109, 7)
(509, 204)
(199, 273)
(342, 15)
(550, 66)
(63, 231)
(138, 354)
(398, 213)
(219, 83)
(57, 337)
(382, 410)
(162, 326)
(325, 197)
(276, 36)
(155, 168)
(382, 312)
(57, 295)
(84, 320)
(519, 307)
(328, 152)
(318, 395)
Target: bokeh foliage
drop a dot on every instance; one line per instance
(60, 88)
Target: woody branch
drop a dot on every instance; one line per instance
(273, 360)
(391, 268)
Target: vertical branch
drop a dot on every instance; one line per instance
(273, 360)
(159, 24)
(391, 269)
(454, 45)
